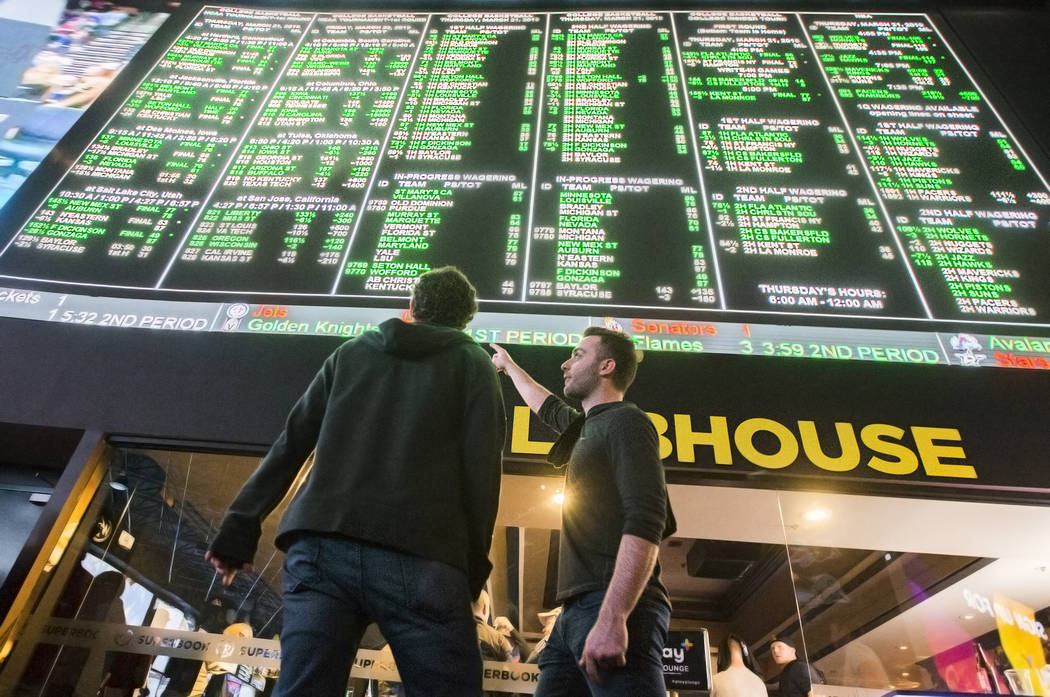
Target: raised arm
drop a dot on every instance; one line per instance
(531, 391)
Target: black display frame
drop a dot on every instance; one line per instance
(41, 182)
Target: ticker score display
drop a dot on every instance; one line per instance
(772, 162)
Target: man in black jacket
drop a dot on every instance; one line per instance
(796, 677)
(393, 522)
(608, 640)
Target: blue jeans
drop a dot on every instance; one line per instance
(643, 676)
(334, 587)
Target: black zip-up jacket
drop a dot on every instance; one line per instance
(407, 427)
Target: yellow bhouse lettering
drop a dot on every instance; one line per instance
(666, 446)
(519, 435)
(931, 454)
(887, 451)
(874, 436)
(687, 439)
(848, 460)
(786, 453)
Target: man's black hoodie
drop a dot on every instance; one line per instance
(407, 427)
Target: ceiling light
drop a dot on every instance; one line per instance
(967, 617)
(558, 498)
(815, 515)
(903, 647)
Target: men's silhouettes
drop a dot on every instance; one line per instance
(394, 521)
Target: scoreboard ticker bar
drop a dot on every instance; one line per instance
(1004, 350)
(624, 163)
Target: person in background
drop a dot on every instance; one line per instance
(494, 646)
(610, 635)
(394, 520)
(519, 647)
(547, 618)
(737, 674)
(795, 679)
(862, 667)
(86, 89)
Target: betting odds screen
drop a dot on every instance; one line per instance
(783, 183)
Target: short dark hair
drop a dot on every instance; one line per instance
(619, 347)
(444, 296)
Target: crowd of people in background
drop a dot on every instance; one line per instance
(74, 63)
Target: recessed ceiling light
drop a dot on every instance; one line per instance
(967, 617)
(903, 647)
(905, 673)
(558, 498)
(815, 515)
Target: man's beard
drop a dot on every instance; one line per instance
(581, 387)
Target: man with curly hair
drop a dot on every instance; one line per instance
(393, 522)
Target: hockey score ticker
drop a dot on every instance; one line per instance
(620, 162)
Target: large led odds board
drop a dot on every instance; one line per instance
(711, 180)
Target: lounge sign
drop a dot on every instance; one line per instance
(685, 660)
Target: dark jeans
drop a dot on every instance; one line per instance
(643, 676)
(334, 587)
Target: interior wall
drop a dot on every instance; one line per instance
(20, 515)
(32, 460)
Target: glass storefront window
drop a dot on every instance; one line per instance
(877, 594)
(904, 594)
(138, 562)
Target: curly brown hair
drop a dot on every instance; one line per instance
(444, 296)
